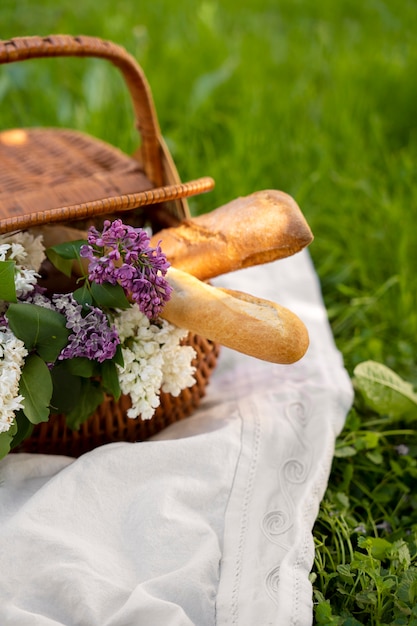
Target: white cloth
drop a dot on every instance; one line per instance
(208, 524)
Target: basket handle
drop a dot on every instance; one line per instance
(22, 48)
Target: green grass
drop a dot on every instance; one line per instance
(318, 99)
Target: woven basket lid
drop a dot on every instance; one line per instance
(104, 206)
(44, 179)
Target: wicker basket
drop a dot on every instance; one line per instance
(52, 175)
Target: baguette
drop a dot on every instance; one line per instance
(250, 325)
(247, 324)
(259, 228)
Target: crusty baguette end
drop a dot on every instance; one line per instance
(250, 325)
(265, 226)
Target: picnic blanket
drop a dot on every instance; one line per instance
(210, 523)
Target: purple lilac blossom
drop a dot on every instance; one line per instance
(91, 336)
(122, 254)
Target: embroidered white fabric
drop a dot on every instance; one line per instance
(210, 523)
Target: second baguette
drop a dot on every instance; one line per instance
(262, 227)
(250, 325)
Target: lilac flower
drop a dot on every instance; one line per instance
(402, 449)
(12, 356)
(360, 529)
(101, 270)
(91, 336)
(122, 254)
(384, 525)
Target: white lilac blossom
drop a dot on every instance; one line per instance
(12, 355)
(177, 368)
(153, 359)
(122, 255)
(25, 281)
(27, 251)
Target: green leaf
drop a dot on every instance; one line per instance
(66, 389)
(68, 249)
(7, 283)
(61, 264)
(110, 378)
(5, 443)
(383, 390)
(118, 357)
(402, 553)
(323, 613)
(351, 621)
(36, 388)
(109, 296)
(62, 255)
(344, 451)
(380, 548)
(81, 366)
(39, 328)
(375, 457)
(343, 499)
(91, 395)
(344, 572)
(6, 439)
(83, 295)
(368, 440)
(366, 599)
(407, 590)
(24, 428)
